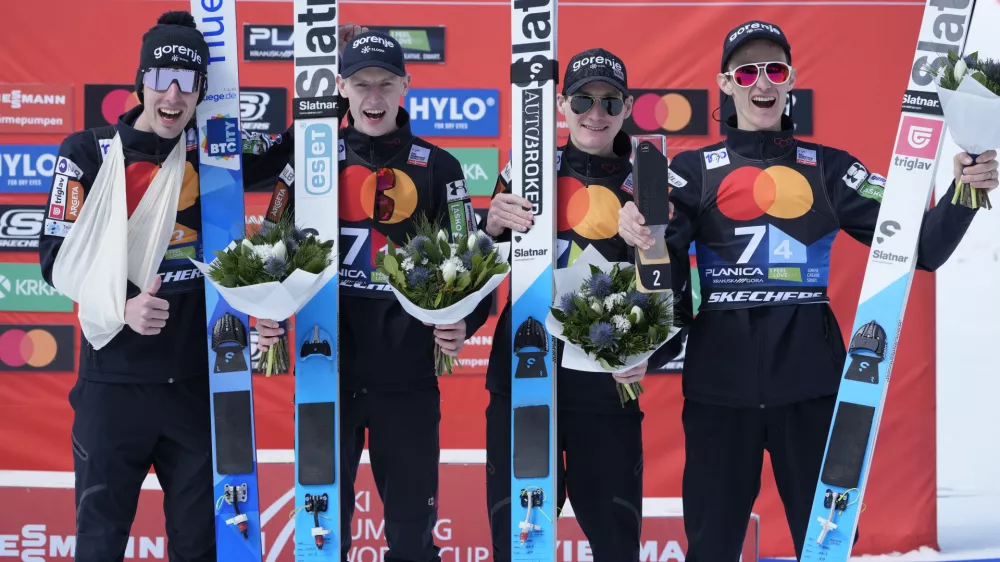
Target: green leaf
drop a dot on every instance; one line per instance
(445, 248)
(558, 314)
(463, 281)
(391, 267)
(437, 301)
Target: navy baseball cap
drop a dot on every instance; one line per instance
(748, 32)
(372, 48)
(595, 65)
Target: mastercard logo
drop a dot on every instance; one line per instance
(777, 191)
(104, 103)
(678, 112)
(590, 211)
(359, 187)
(36, 348)
(117, 102)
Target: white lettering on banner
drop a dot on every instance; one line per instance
(30, 545)
(15, 99)
(472, 109)
(45, 165)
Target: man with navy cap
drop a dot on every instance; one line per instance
(388, 177)
(764, 358)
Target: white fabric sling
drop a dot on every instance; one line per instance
(105, 246)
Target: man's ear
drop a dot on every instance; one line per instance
(725, 84)
(342, 86)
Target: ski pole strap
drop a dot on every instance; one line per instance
(537, 70)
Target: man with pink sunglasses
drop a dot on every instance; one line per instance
(758, 206)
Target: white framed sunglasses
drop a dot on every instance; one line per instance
(746, 75)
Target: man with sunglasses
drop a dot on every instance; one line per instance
(142, 399)
(600, 437)
(763, 372)
(388, 178)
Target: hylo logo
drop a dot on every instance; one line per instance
(472, 109)
(319, 163)
(223, 137)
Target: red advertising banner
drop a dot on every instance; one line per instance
(31, 530)
(36, 108)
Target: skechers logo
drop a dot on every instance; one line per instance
(762, 296)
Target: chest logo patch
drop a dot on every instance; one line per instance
(590, 211)
(778, 191)
(388, 196)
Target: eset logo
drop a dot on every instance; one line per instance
(778, 191)
(36, 348)
(919, 137)
(668, 112)
(104, 103)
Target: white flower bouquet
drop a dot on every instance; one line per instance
(272, 274)
(442, 282)
(969, 90)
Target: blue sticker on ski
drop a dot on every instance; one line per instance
(315, 109)
(234, 460)
(534, 74)
(838, 499)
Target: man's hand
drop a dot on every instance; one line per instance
(449, 337)
(268, 334)
(509, 211)
(630, 222)
(635, 374)
(145, 313)
(346, 33)
(982, 175)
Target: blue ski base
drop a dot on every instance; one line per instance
(540, 543)
(317, 392)
(834, 545)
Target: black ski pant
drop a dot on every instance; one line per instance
(602, 474)
(405, 450)
(724, 456)
(119, 431)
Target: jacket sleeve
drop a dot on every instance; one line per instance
(685, 195)
(77, 163)
(502, 186)
(452, 206)
(856, 195)
(264, 158)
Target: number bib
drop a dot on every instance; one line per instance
(765, 230)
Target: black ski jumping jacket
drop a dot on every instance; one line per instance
(612, 177)
(382, 347)
(180, 350)
(763, 209)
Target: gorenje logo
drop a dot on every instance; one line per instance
(316, 59)
(753, 28)
(599, 60)
(21, 227)
(373, 39)
(454, 112)
(177, 53)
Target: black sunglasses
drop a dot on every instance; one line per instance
(581, 103)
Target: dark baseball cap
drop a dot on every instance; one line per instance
(748, 32)
(595, 65)
(372, 48)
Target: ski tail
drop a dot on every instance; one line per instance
(234, 461)
(534, 75)
(316, 108)
(838, 500)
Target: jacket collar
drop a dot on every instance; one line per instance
(147, 144)
(598, 167)
(379, 150)
(760, 145)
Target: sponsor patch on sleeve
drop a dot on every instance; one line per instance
(419, 155)
(876, 179)
(68, 167)
(558, 159)
(57, 227)
(287, 175)
(75, 202)
(457, 191)
(105, 146)
(675, 179)
(873, 187)
(716, 158)
(855, 175)
(505, 174)
(342, 151)
(58, 198)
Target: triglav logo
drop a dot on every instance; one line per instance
(919, 138)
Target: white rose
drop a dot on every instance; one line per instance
(597, 307)
(442, 235)
(473, 238)
(247, 245)
(635, 315)
(279, 250)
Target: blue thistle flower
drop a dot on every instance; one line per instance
(417, 276)
(291, 244)
(298, 234)
(266, 229)
(466, 259)
(485, 245)
(602, 335)
(416, 246)
(275, 267)
(599, 285)
(566, 303)
(635, 298)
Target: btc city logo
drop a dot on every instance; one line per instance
(669, 112)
